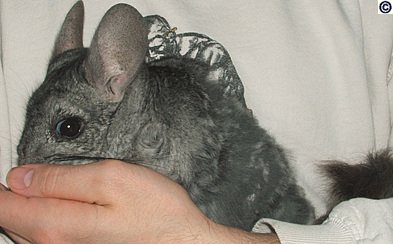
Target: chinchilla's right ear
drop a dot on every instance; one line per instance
(71, 32)
(117, 51)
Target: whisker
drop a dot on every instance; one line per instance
(142, 162)
(56, 158)
(165, 156)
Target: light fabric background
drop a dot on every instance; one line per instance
(316, 73)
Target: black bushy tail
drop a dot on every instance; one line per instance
(370, 179)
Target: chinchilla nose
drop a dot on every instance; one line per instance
(21, 153)
(29, 153)
(22, 156)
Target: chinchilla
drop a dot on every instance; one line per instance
(107, 102)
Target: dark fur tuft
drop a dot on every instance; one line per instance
(371, 179)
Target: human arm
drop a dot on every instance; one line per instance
(106, 202)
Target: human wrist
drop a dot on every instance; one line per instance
(225, 234)
(209, 232)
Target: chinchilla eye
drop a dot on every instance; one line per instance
(69, 128)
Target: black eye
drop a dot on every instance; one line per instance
(69, 128)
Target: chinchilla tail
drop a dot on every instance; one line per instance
(371, 179)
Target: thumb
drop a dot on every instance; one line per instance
(86, 183)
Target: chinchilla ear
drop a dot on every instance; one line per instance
(71, 32)
(117, 51)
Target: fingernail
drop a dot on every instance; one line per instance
(20, 177)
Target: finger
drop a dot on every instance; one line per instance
(90, 183)
(16, 238)
(8, 219)
(43, 220)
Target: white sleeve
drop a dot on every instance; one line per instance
(314, 75)
(355, 221)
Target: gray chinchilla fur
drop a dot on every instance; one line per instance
(106, 102)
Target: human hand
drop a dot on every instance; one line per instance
(106, 202)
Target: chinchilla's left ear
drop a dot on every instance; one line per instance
(117, 51)
(71, 32)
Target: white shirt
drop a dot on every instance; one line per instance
(316, 75)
